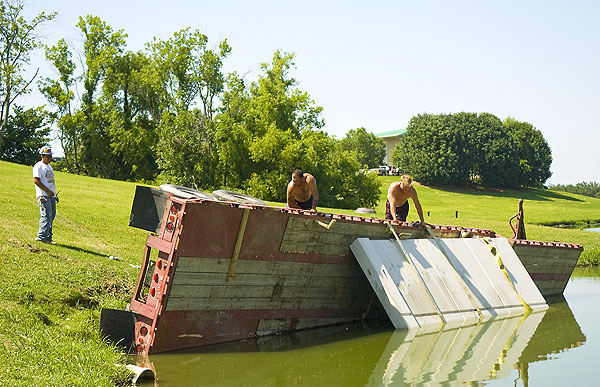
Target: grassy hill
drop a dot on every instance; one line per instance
(51, 295)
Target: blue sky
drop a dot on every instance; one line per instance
(376, 64)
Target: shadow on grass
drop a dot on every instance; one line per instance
(80, 250)
(525, 193)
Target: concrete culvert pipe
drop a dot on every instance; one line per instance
(139, 373)
(185, 192)
(237, 197)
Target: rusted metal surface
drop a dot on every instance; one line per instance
(559, 245)
(519, 232)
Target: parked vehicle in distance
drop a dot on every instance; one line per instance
(384, 170)
(398, 171)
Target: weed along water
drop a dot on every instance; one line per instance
(555, 347)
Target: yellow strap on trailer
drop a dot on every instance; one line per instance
(495, 252)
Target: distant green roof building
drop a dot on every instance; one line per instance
(391, 133)
(391, 139)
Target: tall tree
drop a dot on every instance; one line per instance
(84, 123)
(277, 101)
(233, 136)
(434, 149)
(265, 116)
(370, 149)
(101, 48)
(130, 97)
(192, 82)
(189, 70)
(60, 93)
(496, 162)
(533, 152)
(24, 134)
(182, 149)
(18, 38)
(277, 129)
(458, 149)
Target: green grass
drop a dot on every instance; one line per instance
(51, 295)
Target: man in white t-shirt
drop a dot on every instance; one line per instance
(45, 191)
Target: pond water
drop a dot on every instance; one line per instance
(583, 227)
(557, 347)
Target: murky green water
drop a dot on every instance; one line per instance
(558, 347)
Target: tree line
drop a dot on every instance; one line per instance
(591, 188)
(169, 113)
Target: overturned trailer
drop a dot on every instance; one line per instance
(215, 271)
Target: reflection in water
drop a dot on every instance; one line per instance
(557, 332)
(359, 356)
(478, 352)
(472, 353)
(581, 226)
(591, 272)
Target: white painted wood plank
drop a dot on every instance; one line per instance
(408, 274)
(519, 276)
(442, 280)
(374, 267)
(480, 271)
(404, 277)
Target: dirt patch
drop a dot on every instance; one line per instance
(76, 298)
(31, 248)
(116, 287)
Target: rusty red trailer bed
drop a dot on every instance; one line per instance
(219, 271)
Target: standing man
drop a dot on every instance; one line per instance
(45, 191)
(396, 207)
(302, 191)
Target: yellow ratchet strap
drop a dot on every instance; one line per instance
(502, 358)
(496, 254)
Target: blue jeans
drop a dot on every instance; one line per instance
(47, 214)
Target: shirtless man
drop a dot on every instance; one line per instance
(302, 191)
(396, 207)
